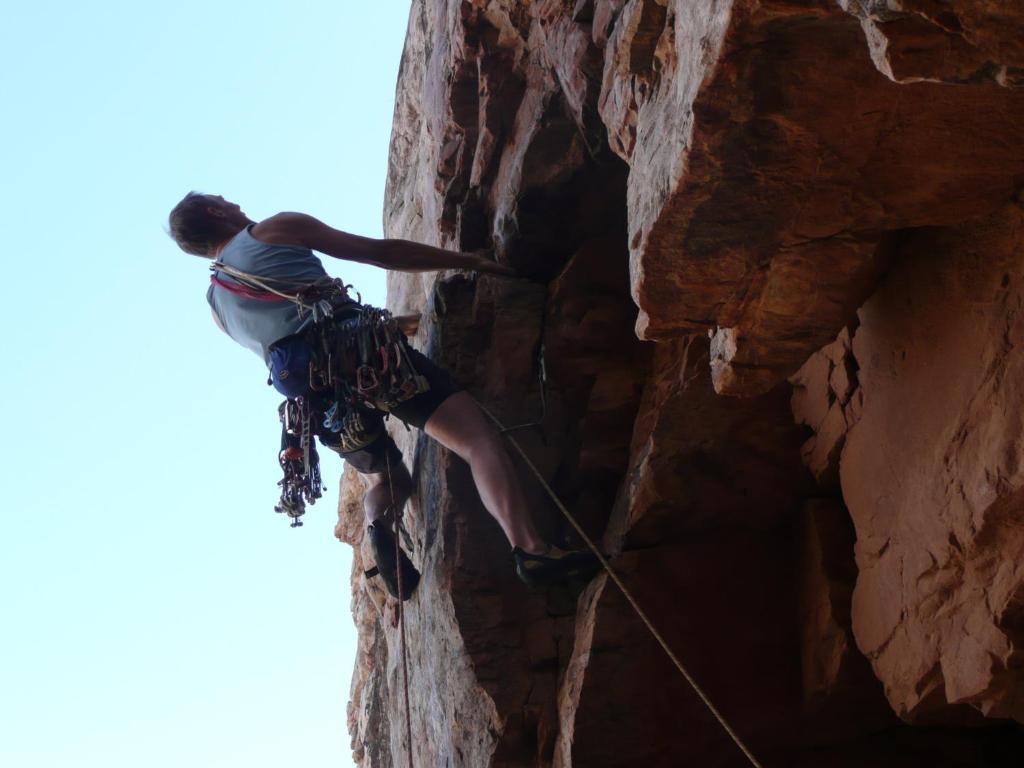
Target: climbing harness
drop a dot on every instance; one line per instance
(351, 361)
(360, 358)
(625, 591)
(382, 371)
(353, 368)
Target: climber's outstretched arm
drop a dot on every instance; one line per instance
(401, 255)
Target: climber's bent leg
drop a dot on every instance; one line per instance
(459, 425)
(373, 462)
(382, 495)
(453, 418)
(389, 487)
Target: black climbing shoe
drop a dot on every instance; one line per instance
(554, 566)
(383, 544)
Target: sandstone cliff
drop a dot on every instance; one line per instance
(773, 271)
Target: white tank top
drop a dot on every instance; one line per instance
(253, 323)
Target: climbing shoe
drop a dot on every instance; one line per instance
(554, 566)
(383, 544)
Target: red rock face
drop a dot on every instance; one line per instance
(932, 473)
(757, 201)
(765, 348)
(963, 42)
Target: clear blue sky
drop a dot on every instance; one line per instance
(155, 610)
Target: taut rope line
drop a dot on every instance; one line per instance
(396, 511)
(629, 595)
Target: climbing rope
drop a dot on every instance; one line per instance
(629, 595)
(260, 283)
(397, 512)
(259, 287)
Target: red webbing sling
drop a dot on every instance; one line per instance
(244, 290)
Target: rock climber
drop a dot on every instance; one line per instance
(259, 271)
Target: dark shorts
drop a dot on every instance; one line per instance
(415, 411)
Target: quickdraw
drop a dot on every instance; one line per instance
(352, 426)
(299, 461)
(377, 356)
(386, 375)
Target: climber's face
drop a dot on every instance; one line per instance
(224, 209)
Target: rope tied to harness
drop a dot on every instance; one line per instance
(626, 592)
(255, 287)
(317, 297)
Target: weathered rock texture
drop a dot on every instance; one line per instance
(767, 344)
(933, 476)
(964, 42)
